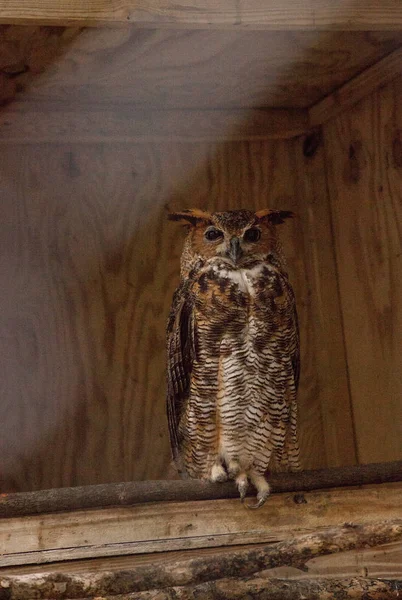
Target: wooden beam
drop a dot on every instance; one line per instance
(357, 88)
(330, 359)
(167, 526)
(140, 492)
(21, 125)
(297, 554)
(344, 15)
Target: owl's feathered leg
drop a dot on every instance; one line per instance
(242, 484)
(218, 473)
(263, 489)
(240, 476)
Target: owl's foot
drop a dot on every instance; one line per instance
(234, 468)
(263, 490)
(242, 484)
(218, 473)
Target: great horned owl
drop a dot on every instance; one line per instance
(233, 351)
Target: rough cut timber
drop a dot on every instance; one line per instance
(252, 14)
(168, 526)
(379, 74)
(232, 571)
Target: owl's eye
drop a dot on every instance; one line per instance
(213, 234)
(252, 235)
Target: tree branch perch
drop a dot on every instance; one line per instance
(138, 492)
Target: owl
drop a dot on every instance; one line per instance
(233, 351)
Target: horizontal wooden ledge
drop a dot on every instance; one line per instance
(139, 492)
(177, 526)
(21, 125)
(345, 15)
(299, 554)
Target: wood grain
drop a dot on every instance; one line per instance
(88, 268)
(379, 74)
(256, 14)
(21, 124)
(173, 526)
(82, 316)
(363, 150)
(189, 69)
(326, 325)
(381, 561)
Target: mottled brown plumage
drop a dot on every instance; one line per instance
(233, 351)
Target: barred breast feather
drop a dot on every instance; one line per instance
(233, 370)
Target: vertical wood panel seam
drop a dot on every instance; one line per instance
(294, 161)
(338, 292)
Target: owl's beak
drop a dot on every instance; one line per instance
(235, 252)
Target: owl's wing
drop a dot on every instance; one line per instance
(181, 350)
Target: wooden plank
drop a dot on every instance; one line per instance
(384, 562)
(363, 149)
(21, 126)
(327, 326)
(121, 494)
(106, 68)
(256, 14)
(379, 561)
(172, 526)
(360, 86)
(87, 290)
(359, 15)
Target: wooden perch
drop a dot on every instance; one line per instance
(138, 492)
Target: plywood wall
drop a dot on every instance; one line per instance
(88, 265)
(364, 166)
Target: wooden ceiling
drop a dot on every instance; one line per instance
(277, 67)
(190, 69)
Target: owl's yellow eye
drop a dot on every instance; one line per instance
(213, 234)
(252, 235)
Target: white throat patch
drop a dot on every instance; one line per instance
(243, 278)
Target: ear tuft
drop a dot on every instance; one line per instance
(191, 215)
(274, 217)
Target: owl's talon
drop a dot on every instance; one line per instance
(261, 502)
(263, 489)
(242, 485)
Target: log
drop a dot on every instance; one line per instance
(138, 492)
(259, 588)
(194, 575)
